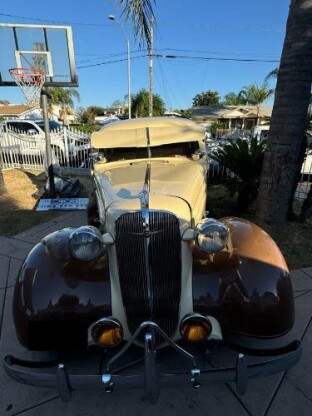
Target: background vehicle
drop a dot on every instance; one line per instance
(26, 138)
(260, 132)
(151, 270)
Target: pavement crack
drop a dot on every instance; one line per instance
(21, 412)
(295, 386)
(303, 292)
(4, 298)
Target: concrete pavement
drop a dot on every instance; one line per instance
(289, 393)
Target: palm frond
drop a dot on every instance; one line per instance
(141, 13)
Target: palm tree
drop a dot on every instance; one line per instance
(140, 104)
(64, 98)
(255, 95)
(141, 13)
(283, 155)
(272, 75)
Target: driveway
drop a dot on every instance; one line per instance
(289, 393)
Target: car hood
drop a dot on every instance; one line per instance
(175, 184)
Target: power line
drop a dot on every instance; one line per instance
(183, 57)
(110, 62)
(213, 58)
(101, 56)
(54, 21)
(217, 52)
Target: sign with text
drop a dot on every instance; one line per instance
(62, 204)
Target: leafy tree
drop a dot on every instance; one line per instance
(186, 113)
(140, 104)
(233, 99)
(118, 103)
(5, 102)
(245, 161)
(84, 115)
(283, 156)
(215, 126)
(206, 98)
(96, 110)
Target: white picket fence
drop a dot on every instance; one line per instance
(27, 151)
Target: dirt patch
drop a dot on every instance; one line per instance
(17, 206)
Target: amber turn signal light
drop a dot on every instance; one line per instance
(107, 332)
(195, 328)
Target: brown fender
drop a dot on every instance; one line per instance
(57, 297)
(248, 289)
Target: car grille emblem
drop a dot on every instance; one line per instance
(147, 233)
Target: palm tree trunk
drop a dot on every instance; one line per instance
(288, 118)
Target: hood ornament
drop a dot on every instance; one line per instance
(147, 233)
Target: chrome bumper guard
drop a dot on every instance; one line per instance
(151, 380)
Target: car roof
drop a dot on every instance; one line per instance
(133, 133)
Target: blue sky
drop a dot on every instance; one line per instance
(189, 30)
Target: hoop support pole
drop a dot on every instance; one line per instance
(44, 103)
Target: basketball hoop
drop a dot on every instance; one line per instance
(30, 80)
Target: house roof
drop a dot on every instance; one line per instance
(13, 109)
(231, 111)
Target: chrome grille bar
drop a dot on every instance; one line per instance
(157, 250)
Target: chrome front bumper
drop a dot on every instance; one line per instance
(151, 379)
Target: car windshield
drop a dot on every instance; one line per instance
(54, 125)
(165, 150)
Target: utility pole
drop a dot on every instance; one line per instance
(151, 59)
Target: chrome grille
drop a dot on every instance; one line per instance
(164, 268)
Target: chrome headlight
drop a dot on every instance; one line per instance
(85, 243)
(211, 235)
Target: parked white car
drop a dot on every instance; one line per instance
(26, 137)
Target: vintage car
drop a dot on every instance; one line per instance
(153, 272)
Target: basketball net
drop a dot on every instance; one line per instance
(30, 80)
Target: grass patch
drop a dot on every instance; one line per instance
(17, 206)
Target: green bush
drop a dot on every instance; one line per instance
(86, 128)
(245, 160)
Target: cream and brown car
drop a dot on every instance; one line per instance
(152, 271)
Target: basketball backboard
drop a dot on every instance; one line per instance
(49, 48)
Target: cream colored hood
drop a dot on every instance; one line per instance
(176, 185)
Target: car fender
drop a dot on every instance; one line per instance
(56, 297)
(247, 287)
